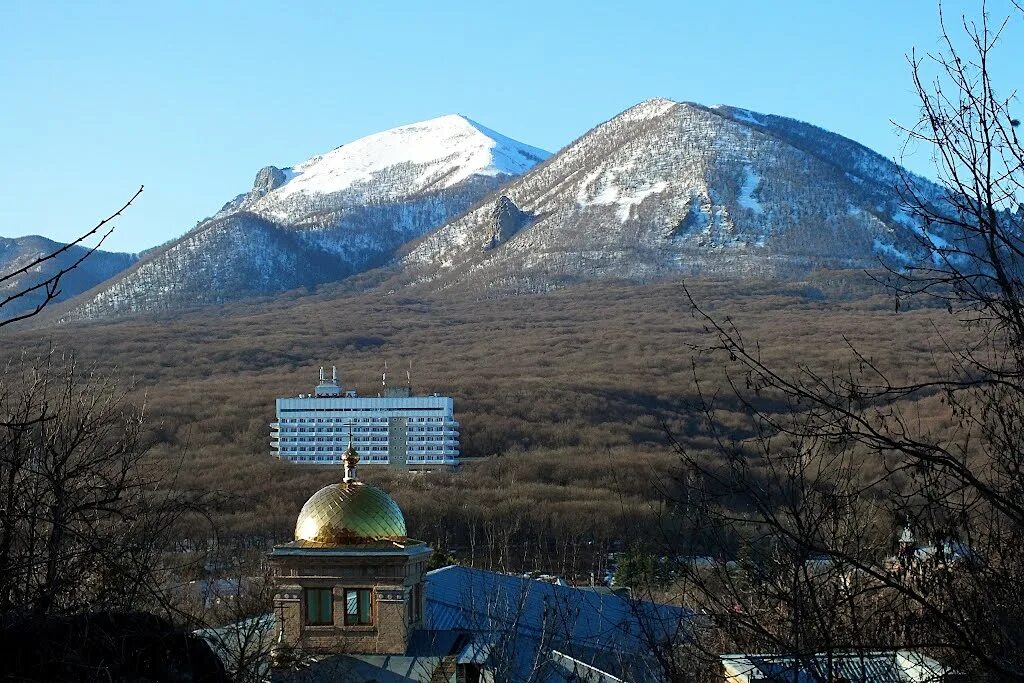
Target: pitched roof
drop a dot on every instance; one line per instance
(525, 620)
(889, 666)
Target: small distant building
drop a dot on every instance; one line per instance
(395, 428)
(885, 666)
(919, 560)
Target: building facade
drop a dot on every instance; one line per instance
(351, 581)
(395, 428)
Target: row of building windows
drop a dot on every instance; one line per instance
(330, 439)
(374, 422)
(320, 606)
(372, 436)
(372, 449)
(342, 443)
(360, 433)
(362, 420)
(398, 409)
(334, 460)
(285, 437)
(359, 606)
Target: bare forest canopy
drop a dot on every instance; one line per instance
(564, 398)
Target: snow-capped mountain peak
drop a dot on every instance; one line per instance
(323, 219)
(677, 187)
(648, 109)
(430, 155)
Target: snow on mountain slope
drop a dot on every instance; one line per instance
(669, 187)
(323, 219)
(431, 155)
(18, 252)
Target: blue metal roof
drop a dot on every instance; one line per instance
(526, 618)
(890, 666)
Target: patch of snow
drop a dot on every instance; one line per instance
(583, 197)
(746, 116)
(891, 250)
(438, 153)
(933, 239)
(646, 110)
(510, 157)
(905, 219)
(625, 199)
(746, 198)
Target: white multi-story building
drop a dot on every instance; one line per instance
(394, 428)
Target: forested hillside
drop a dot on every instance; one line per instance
(563, 398)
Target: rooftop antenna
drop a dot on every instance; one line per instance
(384, 378)
(321, 374)
(334, 373)
(408, 376)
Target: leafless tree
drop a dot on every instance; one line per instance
(82, 524)
(850, 526)
(86, 528)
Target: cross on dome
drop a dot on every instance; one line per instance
(351, 459)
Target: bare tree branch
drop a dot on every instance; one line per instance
(50, 287)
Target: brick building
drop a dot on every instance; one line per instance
(351, 581)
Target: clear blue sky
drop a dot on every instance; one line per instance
(192, 98)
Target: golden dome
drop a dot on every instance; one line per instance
(350, 512)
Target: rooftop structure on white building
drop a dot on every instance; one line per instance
(395, 428)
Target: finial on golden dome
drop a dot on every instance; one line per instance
(351, 459)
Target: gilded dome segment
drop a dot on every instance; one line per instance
(350, 512)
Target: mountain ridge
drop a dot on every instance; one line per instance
(19, 252)
(681, 188)
(662, 189)
(321, 220)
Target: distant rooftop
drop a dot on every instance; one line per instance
(518, 615)
(885, 666)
